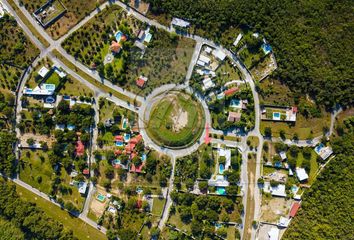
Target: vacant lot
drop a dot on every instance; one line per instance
(177, 120)
(76, 11)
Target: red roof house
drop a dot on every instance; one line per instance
(118, 138)
(139, 204)
(115, 47)
(117, 152)
(294, 209)
(230, 91)
(129, 147)
(141, 81)
(137, 169)
(86, 171)
(136, 139)
(79, 148)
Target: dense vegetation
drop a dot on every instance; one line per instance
(26, 218)
(326, 208)
(7, 158)
(312, 40)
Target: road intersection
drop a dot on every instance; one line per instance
(146, 105)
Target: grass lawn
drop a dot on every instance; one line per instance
(254, 141)
(80, 229)
(303, 127)
(53, 79)
(94, 81)
(157, 206)
(231, 233)
(165, 124)
(176, 220)
(33, 168)
(73, 87)
(37, 172)
(227, 73)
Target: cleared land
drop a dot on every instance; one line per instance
(175, 121)
(76, 11)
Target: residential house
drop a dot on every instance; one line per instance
(141, 81)
(234, 117)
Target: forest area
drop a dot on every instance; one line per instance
(312, 40)
(326, 208)
(23, 220)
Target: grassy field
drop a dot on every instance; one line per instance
(36, 171)
(304, 127)
(253, 141)
(76, 11)
(94, 81)
(165, 124)
(80, 229)
(157, 206)
(226, 73)
(275, 92)
(73, 87)
(28, 24)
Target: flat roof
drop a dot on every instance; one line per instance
(180, 22)
(219, 54)
(43, 71)
(301, 174)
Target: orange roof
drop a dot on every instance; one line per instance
(117, 152)
(123, 38)
(294, 209)
(230, 91)
(86, 171)
(129, 147)
(140, 82)
(118, 138)
(80, 148)
(115, 47)
(136, 139)
(138, 169)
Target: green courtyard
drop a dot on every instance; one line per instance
(176, 120)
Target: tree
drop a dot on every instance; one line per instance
(196, 227)
(294, 151)
(30, 141)
(268, 132)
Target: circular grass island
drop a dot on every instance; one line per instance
(176, 120)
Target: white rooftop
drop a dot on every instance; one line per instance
(201, 63)
(282, 155)
(180, 22)
(204, 59)
(283, 222)
(278, 191)
(208, 50)
(273, 234)
(43, 71)
(219, 54)
(301, 174)
(227, 154)
(219, 181)
(239, 36)
(82, 187)
(208, 83)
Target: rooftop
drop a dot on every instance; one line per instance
(301, 174)
(180, 22)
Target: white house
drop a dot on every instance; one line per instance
(219, 54)
(180, 23)
(207, 83)
(301, 174)
(204, 59)
(278, 191)
(43, 71)
(273, 234)
(282, 155)
(219, 181)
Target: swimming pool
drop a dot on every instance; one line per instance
(143, 157)
(100, 197)
(294, 189)
(119, 144)
(319, 147)
(118, 36)
(124, 123)
(235, 103)
(49, 100)
(126, 137)
(276, 115)
(221, 168)
(116, 161)
(221, 190)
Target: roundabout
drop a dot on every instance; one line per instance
(176, 120)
